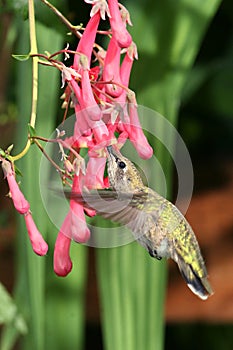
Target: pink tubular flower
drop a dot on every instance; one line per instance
(19, 201)
(84, 100)
(106, 114)
(94, 177)
(119, 31)
(127, 63)
(87, 40)
(135, 132)
(78, 227)
(87, 99)
(81, 125)
(90, 212)
(74, 225)
(62, 263)
(39, 246)
(111, 70)
(79, 230)
(100, 131)
(81, 130)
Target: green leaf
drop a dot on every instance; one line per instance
(54, 307)
(2, 153)
(9, 312)
(31, 130)
(132, 286)
(10, 148)
(21, 57)
(17, 171)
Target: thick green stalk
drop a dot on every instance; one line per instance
(132, 285)
(53, 307)
(30, 290)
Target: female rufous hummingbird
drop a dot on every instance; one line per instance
(154, 221)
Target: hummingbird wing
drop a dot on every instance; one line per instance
(130, 209)
(116, 206)
(126, 209)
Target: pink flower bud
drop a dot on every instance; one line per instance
(39, 246)
(119, 31)
(68, 166)
(19, 201)
(62, 263)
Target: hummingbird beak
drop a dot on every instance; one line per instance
(110, 149)
(112, 153)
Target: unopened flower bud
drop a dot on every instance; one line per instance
(62, 263)
(19, 201)
(68, 166)
(39, 245)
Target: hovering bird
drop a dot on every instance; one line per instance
(154, 221)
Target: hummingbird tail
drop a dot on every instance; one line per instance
(198, 285)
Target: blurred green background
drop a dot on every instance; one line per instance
(184, 72)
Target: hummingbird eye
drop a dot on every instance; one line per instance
(121, 165)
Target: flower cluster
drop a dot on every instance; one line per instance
(106, 113)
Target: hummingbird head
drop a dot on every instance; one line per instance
(123, 175)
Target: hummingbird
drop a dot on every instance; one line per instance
(155, 222)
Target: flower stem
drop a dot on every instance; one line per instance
(21, 154)
(72, 28)
(61, 171)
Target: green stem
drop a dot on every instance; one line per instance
(22, 153)
(35, 61)
(34, 51)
